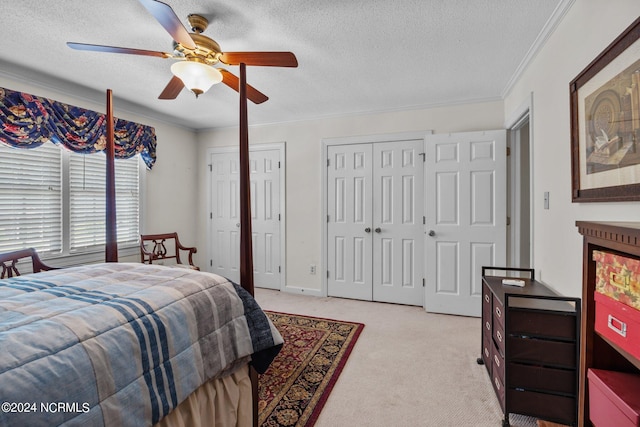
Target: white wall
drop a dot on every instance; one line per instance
(587, 28)
(304, 168)
(169, 191)
(171, 187)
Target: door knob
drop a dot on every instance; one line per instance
(367, 230)
(237, 224)
(432, 233)
(377, 230)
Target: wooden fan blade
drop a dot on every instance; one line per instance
(170, 21)
(268, 59)
(173, 89)
(114, 49)
(233, 82)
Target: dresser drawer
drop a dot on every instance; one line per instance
(498, 311)
(486, 326)
(497, 361)
(487, 350)
(498, 387)
(487, 296)
(499, 337)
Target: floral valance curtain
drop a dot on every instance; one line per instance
(28, 121)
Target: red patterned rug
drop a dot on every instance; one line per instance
(295, 387)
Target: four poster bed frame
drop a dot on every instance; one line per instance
(246, 251)
(130, 343)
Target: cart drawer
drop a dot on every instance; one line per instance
(546, 353)
(541, 379)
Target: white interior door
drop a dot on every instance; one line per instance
(349, 239)
(398, 236)
(265, 180)
(465, 218)
(225, 216)
(375, 233)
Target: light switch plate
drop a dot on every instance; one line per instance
(546, 200)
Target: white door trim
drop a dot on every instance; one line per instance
(361, 139)
(512, 124)
(281, 147)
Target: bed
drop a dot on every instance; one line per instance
(124, 344)
(30, 379)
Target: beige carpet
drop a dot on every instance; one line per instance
(409, 368)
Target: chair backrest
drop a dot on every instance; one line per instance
(165, 246)
(9, 261)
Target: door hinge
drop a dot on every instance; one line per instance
(278, 165)
(424, 220)
(423, 282)
(210, 168)
(327, 218)
(210, 263)
(424, 156)
(508, 220)
(327, 274)
(327, 162)
(508, 151)
(278, 217)
(279, 269)
(210, 215)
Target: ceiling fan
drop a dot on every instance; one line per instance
(197, 54)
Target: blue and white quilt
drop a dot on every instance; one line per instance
(121, 344)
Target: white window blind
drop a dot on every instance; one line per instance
(31, 198)
(87, 211)
(54, 200)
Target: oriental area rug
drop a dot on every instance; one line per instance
(297, 384)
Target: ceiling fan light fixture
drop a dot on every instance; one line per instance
(196, 76)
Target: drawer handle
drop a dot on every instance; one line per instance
(617, 326)
(495, 357)
(486, 351)
(498, 311)
(499, 335)
(488, 326)
(486, 298)
(624, 280)
(495, 380)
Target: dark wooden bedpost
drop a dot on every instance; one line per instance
(111, 252)
(246, 250)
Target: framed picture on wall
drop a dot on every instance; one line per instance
(605, 123)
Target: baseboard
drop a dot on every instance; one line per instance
(302, 291)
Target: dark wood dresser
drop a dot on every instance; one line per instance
(597, 351)
(530, 346)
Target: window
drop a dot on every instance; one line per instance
(54, 200)
(30, 198)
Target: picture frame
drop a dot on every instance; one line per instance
(605, 123)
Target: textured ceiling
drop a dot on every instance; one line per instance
(354, 56)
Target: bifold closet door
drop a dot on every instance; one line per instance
(398, 230)
(350, 234)
(375, 231)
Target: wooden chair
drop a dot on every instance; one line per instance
(159, 250)
(9, 262)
